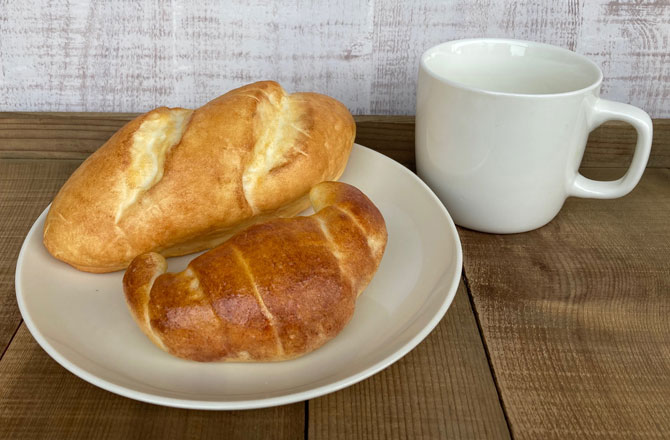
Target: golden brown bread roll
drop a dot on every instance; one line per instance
(177, 181)
(274, 291)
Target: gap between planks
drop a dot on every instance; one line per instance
(496, 383)
(11, 339)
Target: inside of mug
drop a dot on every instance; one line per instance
(508, 66)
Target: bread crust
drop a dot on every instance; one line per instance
(177, 181)
(272, 292)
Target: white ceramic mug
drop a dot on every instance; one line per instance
(501, 127)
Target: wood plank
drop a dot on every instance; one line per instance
(26, 188)
(76, 135)
(441, 389)
(98, 57)
(390, 135)
(575, 315)
(626, 39)
(610, 145)
(40, 399)
(125, 56)
(57, 135)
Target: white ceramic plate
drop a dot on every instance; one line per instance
(81, 319)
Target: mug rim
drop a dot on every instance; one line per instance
(460, 85)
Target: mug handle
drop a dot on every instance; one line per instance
(604, 110)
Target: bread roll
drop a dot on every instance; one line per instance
(176, 181)
(274, 291)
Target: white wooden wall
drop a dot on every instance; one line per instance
(85, 55)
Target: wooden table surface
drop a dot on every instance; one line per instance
(562, 332)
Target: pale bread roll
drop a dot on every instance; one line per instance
(177, 181)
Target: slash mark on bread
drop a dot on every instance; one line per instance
(159, 133)
(264, 310)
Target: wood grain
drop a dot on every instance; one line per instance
(610, 145)
(40, 399)
(127, 56)
(26, 188)
(76, 135)
(441, 389)
(627, 39)
(575, 315)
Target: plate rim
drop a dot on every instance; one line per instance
(262, 402)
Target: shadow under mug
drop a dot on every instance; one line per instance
(501, 127)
